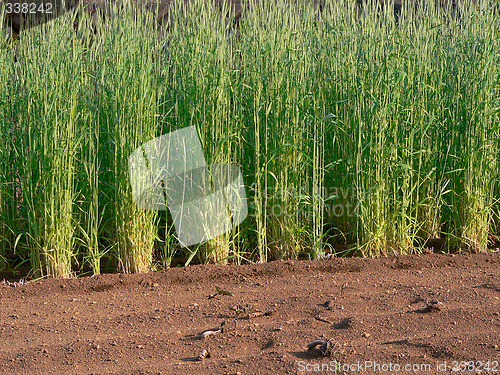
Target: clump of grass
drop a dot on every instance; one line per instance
(4, 161)
(48, 120)
(279, 67)
(201, 90)
(403, 139)
(85, 107)
(127, 76)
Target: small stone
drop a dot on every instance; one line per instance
(204, 354)
(366, 335)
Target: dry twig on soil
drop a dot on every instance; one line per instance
(225, 327)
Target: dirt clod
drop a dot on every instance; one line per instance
(344, 324)
(326, 348)
(433, 306)
(229, 326)
(328, 304)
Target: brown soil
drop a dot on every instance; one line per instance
(417, 310)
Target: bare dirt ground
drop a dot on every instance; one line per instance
(378, 311)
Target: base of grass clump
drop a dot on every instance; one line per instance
(215, 250)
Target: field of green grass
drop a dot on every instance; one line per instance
(355, 135)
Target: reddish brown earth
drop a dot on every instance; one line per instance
(150, 324)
